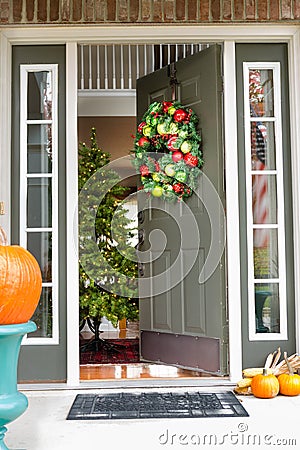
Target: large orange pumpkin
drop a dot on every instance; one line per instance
(289, 383)
(265, 385)
(20, 284)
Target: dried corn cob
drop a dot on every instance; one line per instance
(245, 382)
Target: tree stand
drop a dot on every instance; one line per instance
(12, 402)
(97, 344)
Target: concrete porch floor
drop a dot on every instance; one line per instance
(271, 423)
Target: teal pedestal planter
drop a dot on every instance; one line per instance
(12, 402)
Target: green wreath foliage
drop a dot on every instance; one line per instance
(169, 128)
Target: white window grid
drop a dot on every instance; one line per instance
(279, 226)
(25, 69)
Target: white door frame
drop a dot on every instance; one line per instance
(229, 35)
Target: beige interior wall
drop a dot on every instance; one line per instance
(114, 134)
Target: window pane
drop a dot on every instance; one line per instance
(39, 202)
(264, 199)
(263, 146)
(39, 96)
(267, 308)
(40, 245)
(265, 253)
(39, 148)
(261, 100)
(43, 314)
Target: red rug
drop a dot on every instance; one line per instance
(124, 351)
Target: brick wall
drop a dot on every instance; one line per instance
(147, 11)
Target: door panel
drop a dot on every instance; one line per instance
(189, 317)
(254, 352)
(41, 362)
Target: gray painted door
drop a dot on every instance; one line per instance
(185, 323)
(254, 352)
(42, 362)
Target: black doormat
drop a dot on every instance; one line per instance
(118, 351)
(155, 405)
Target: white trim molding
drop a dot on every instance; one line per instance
(232, 212)
(5, 135)
(294, 74)
(72, 216)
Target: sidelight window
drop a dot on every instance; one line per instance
(39, 190)
(265, 201)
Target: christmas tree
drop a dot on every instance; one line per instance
(99, 296)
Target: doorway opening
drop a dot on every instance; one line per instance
(107, 102)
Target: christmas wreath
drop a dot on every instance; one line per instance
(171, 129)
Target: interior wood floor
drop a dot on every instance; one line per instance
(94, 372)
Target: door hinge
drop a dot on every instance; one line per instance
(173, 80)
(226, 334)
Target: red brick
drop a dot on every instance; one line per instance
(157, 10)
(123, 10)
(286, 10)
(169, 13)
(297, 9)
(215, 10)
(111, 10)
(54, 10)
(250, 10)
(180, 10)
(238, 10)
(227, 10)
(17, 10)
(262, 9)
(4, 11)
(274, 10)
(29, 10)
(77, 10)
(42, 11)
(100, 10)
(134, 10)
(88, 10)
(146, 9)
(65, 10)
(192, 10)
(204, 10)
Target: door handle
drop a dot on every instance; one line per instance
(141, 216)
(141, 236)
(141, 268)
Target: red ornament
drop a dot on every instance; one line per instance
(177, 156)
(141, 126)
(171, 142)
(144, 170)
(157, 166)
(180, 115)
(191, 160)
(166, 106)
(178, 188)
(143, 142)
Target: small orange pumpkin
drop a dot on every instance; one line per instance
(289, 383)
(20, 283)
(265, 385)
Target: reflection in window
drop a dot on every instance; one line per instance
(264, 189)
(39, 189)
(261, 99)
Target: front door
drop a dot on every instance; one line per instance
(184, 324)
(39, 199)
